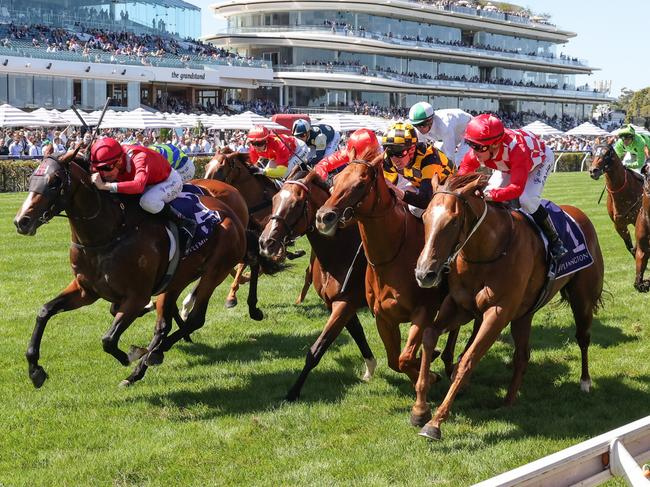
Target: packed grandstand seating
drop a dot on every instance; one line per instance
(117, 47)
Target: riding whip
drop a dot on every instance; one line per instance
(347, 276)
(302, 161)
(602, 193)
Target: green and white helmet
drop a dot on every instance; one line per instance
(420, 113)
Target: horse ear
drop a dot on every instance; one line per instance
(477, 185)
(611, 140)
(378, 160)
(435, 182)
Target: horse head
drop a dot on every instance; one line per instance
(453, 215)
(51, 187)
(605, 158)
(227, 166)
(293, 214)
(351, 194)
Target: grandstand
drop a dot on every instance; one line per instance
(141, 53)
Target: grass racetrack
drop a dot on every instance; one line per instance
(213, 413)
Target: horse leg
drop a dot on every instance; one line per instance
(624, 233)
(641, 257)
(188, 302)
(408, 363)
(308, 279)
(582, 305)
(127, 312)
(356, 331)
(477, 325)
(494, 320)
(341, 313)
(72, 297)
(253, 311)
(520, 331)
(390, 336)
(231, 300)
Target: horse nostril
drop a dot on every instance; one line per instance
(22, 223)
(329, 217)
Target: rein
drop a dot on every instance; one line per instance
(279, 218)
(613, 191)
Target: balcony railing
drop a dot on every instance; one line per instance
(395, 39)
(442, 83)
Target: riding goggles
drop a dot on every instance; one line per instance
(397, 151)
(257, 143)
(477, 147)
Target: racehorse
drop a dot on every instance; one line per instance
(624, 190)
(120, 253)
(497, 272)
(235, 169)
(392, 239)
(642, 234)
(337, 260)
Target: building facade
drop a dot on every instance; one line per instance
(40, 67)
(396, 52)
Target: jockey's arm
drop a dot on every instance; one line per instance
(449, 144)
(274, 170)
(139, 181)
(422, 196)
(619, 148)
(331, 163)
(469, 164)
(518, 177)
(278, 152)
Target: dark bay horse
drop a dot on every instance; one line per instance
(497, 270)
(294, 214)
(235, 169)
(642, 234)
(120, 253)
(624, 190)
(392, 239)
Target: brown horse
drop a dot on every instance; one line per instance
(336, 260)
(642, 234)
(235, 169)
(624, 190)
(112, 238)
(392, 239)
(497, 271)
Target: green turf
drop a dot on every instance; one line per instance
(213, 413)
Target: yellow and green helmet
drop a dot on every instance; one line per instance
(400, 134)
(627, 131)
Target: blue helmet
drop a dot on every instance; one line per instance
(300, 127)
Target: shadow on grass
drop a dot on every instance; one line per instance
(256, 347)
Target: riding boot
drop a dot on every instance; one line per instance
(188, 225)
(556, 247)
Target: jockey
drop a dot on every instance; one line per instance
(132, 169)
(445, 125)
(632, 148)
(322, 140)
(409, 166)
(362, 144)
(283, 152)
(521, 162)
(177, 160)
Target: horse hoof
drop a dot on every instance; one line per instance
(371, 365)
(585, 385)
(291, 397)
(420, 419)
(188, 339)
(431, 432)
(136, 353)
(125, 383)
(154, 358)
(256, 314)
(38, 376)
(231, 303)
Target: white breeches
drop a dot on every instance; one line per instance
(530, 198)
(187, 170)
(155, 196)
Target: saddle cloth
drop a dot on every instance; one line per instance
(571, 234)
(189, 204)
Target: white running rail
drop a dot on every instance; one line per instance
(615, 453)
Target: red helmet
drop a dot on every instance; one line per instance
(484, 129)
(363, 141)
(106, 150)
(258, 133)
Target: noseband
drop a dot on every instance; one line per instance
(348, 212)
(459, 246)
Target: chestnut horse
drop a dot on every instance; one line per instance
(642, 234)
(497, 271)
(235, 169)
(392, 239)
(112, 238)
(336, 260)
(624, 190)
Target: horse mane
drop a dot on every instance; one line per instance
(459, 181)
(313, 178)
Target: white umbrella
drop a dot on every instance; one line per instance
(245, 121)
(137, 119)
(72, 119)
(587, 129)
(542, 129)
(50, 117)
(344, 122)
(13, 117)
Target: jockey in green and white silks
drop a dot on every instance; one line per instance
(177, 159)
(632, 148)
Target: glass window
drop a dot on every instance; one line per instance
(20, 88)
(43, 96)
(4, 95)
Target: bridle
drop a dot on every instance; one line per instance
(348, 212)
(289, 228)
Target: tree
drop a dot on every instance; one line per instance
(638, 110)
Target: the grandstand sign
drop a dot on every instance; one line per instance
(187, 74)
